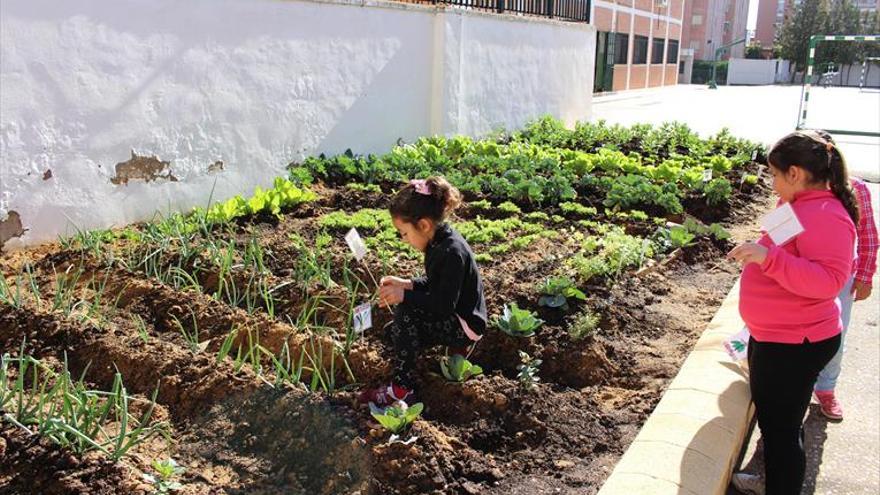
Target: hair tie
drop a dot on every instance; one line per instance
(421, 186)
(829, 147)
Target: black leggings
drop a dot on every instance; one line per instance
(781, 378)
(414, 329)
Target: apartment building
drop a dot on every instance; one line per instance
(638, 43)
(713, 24)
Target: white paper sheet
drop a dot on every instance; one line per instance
(356, 244)
(782, 224)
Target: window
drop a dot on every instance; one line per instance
(657, 50)
(621, 48)
(697, 20)
(672, 52)
(640, 50)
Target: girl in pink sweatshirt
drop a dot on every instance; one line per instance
(788, 297)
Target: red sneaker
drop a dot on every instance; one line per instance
(385, 395)
(829, 405)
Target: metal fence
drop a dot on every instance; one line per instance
(569, 10)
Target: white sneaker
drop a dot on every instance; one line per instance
(748, 484)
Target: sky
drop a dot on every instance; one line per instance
(753, 14)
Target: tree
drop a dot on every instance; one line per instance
(828, 17)
(794, 38)
(843, 18)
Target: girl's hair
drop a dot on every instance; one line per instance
(815, 152)
(433, 198)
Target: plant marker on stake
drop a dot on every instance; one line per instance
(363, 317)
(359, 249)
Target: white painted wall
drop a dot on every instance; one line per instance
(254, 83)
(756, 71)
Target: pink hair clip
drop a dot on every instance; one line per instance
(421, 186)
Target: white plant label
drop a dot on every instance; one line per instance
(356, 244)
(707, 175)
(363, 317)
(737, 345)
(742, 179)
(782, 224)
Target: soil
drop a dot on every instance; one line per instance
(234, 432)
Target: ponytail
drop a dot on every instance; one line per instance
(838, 180)
(815, 152)
(433, 198)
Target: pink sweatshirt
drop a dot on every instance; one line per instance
(793, 294)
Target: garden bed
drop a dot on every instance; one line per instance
(239, 319)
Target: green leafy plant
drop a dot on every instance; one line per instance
(577, 210)
(458, 369)
(699, 229)
(518, 322)
(557, 290)
(679, 237)
(527, 371)
(584, 324)
(508, 208)
(397, 418)
(163, 481)
(717, 191)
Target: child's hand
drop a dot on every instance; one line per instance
(396, 282)
(861, 291)
(748, 252)
(390, 294)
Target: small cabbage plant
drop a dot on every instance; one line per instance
(518, 322)
(556, 292)
(459, 369)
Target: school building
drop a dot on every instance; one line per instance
(637, 44)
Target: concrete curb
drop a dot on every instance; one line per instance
(692, 440)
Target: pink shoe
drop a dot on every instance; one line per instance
(829, 405)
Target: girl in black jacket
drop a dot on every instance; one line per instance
(445, 307)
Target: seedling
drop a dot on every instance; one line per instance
(556, 292)
(396, 419)
(518, 322)
(458, 369)
(163, 481)
(141, 327)
(191, 336)
(585, 324)
(226, 346)
(69, 414)
(528, 371)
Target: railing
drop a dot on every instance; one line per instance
(568, 10)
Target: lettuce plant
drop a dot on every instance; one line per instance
(459, 369)
(518, 322)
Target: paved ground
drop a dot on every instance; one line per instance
(760, 113)
(844, 457)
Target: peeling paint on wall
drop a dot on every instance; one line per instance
(10, 227)
(216, 166)
(142, 167)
